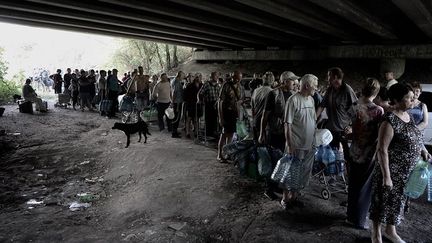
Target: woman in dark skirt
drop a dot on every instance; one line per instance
(399, 148)
(365, 133)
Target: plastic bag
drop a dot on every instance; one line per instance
(264, 162)
(241, 129)
(126, 104)
(282, 167)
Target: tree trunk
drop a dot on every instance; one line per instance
(168, 57)
(159, 57)
(175, 58)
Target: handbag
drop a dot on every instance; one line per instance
(105, 105)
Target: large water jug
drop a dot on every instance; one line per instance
(328, 156)
(417, 180)
(319, 153)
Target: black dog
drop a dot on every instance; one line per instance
(16, 97)
(140, 127)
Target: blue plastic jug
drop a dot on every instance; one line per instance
(418, 180)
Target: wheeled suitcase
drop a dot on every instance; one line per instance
(105, 106)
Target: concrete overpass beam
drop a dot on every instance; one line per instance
(419, 12)
(358, 16)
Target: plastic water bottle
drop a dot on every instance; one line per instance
(430, 184)
(417, 180)
(319, 153)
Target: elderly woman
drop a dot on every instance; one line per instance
(365, 133)
(399, 148)
(419, 111)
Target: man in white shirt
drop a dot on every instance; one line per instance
(389, 76)
(300, 123)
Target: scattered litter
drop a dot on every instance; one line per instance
(181, 234)
(94, 179)
(70, 183)
(34, 202)
(85, 162)
(160, 179)
(30, 207)
(40, 175)
(14, 133)
(104, 134)
(131, 237)
(206, 221)
(87, 197)
(75, 206)
(150, 232)
(177, 226)
(189, 147)
(119, 142)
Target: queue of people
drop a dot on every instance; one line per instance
(379, 133)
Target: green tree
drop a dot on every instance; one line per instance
(154, 57)
(7, 88)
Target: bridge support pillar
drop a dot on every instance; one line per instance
(397, 65)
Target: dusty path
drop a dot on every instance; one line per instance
(163, 191)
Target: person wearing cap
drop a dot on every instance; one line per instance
(339, 102)
(272, 122)
(389, 76)
(300, 123)
(228, 110)
(258, 101)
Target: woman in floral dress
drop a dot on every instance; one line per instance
(399, 148)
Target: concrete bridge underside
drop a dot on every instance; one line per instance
(247, 29)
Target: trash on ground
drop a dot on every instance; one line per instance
(177, 226)
(87, 197)
(14, 133)
(104, 134)
(85, 162)
(34, 202)
(75, 206)
(94, 179)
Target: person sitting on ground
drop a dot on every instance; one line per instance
(29, 94)
(300, 123)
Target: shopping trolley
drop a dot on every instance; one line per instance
(330, 171)
(63, 100)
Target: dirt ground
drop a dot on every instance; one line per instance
(168, 190)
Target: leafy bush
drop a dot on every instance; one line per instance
(7, 90)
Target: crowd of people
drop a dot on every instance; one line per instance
(379, 130)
